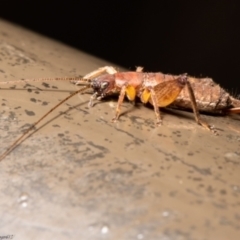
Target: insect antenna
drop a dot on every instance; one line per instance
(74, 79)
(21, 138)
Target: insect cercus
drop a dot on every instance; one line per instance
(160, 90)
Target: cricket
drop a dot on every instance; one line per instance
(158, 89)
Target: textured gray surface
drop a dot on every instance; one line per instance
(82, 177)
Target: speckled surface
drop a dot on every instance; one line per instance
(82, 177)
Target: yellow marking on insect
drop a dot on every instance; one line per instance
(167, 92)
(131, 92)
(145, 96)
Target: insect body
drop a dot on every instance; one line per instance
(159, 89)
(149, 87)
(210, 97)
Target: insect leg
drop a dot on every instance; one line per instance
(195, 109)
(156, 108)
(163, 94)
(130, 92)
(120, 100)
(232, 110)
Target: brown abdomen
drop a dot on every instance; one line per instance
(210, 97)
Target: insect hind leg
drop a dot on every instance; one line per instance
(195, 109)
(235, 110)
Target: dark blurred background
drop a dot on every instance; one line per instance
(197, 37)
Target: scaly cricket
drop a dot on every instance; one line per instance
(160, 90)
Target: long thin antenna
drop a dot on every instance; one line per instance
(78, 79)
(20, 139)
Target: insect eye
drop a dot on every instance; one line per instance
(104, 85)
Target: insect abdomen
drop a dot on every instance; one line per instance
(210, 97)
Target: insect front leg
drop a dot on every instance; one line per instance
(120, 100)
(130, 92)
